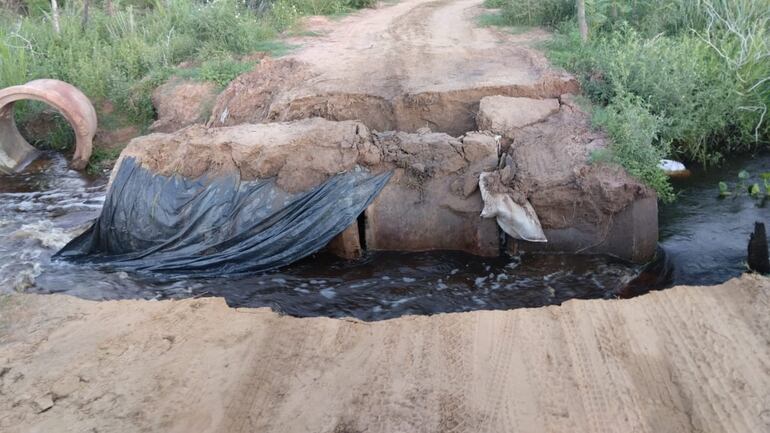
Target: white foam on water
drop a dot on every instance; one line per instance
(45, 232)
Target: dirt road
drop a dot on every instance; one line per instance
(689, 359)
(416, 46)
(405, 66)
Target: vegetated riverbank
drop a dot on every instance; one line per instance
(119, 53)
(679, 78)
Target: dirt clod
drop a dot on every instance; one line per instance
(181, 103)
(505, 115)
(299, 155)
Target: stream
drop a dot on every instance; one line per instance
(703, 241)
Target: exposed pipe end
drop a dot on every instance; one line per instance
(15, 152)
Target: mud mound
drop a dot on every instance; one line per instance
(502, 113)
(684, 360)
(251, 96)
(582, 207)
(287, 89)
(552, 168)
(181, 103)
(300, 154)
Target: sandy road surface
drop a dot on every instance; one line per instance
(404, 66)
(419, 45)
(689, 359)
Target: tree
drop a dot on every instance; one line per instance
(55, 16)
(581, 17)
(84, 20)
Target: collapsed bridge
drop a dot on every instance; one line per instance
(253, 197)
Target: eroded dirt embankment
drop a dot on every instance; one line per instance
(425, 67)
(415, 64)
(689, 359)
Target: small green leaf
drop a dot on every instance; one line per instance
(765, 175)
(743, 175)
(723, 189)
(754, 190)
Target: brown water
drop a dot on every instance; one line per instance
(705, 237)
(48, 205)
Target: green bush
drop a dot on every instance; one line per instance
(360, 4)
(679, 77)
(534, 12)
(122, 57)
(701, 68)
(222, 71)
(636, 144)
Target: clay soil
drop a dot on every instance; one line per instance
(688, 359)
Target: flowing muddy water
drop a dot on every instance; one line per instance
(705, 237)
(48, 205)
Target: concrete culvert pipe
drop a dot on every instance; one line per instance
(15, 152)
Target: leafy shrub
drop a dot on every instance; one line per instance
(635, 143)
(222, 71)
(700, 67)
(534, 12)
(679, 77)
(494, 4)
(360, 4)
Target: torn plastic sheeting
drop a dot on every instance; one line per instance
(518, 221)
(217, 226)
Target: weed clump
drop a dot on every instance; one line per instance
(121, 53)
(697, 74)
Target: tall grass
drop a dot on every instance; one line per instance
(122, 55)
(700, 67)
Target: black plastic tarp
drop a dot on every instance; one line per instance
(219, 225)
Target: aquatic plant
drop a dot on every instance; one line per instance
(758, 189)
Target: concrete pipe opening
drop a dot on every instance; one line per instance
(15, 152)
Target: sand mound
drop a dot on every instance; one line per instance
(688, 359)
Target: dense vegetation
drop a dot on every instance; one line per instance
(683, 78)
(120, 51)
